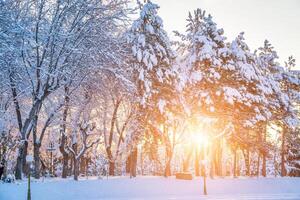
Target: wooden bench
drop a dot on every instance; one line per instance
(184, 176)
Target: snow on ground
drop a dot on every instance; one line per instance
(155, 188)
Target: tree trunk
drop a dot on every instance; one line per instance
(65, 165)
(65, 157)
(234, 163)
(71, 167)
(63, 134)
(142, 163)
(167, 171)
(204, 170)
(218, 158)
(36, 149)
(128, 164)
(202, 161)
(264, 160)
(87, 163)
(186, 161)
(246, 154)
(37, 160)
(238, 167)
(212, 161)
(76, 168)
(24, 164)
(3, 161)
(82, 169)
(258, 164)
(75, 162)
(111, 168)
(19, 165)
(264, 166)
(259, 152)
(197, 160)
(283, 170)
(133, 162)
(247, 161)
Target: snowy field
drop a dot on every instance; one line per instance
(155, 188)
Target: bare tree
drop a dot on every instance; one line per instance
(85, 145)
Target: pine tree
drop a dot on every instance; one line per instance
(151, 59)
(291, 83)
(280, 100)
(226, 81)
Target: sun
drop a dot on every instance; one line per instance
(200, 139)
(198, 133)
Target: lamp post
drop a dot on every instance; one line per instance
(204, 143)
(204, 178)
(202, 140)
(29, 160)
(51, 149)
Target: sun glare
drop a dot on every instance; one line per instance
(200, 139)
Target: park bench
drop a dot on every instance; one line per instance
(184, 176)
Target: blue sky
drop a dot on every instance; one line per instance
(275, 20)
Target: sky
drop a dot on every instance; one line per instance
(275, 20)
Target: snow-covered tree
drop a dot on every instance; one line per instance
(151, 60)
(283, 84)
(226, 80)
(223, 78)
(56, 40)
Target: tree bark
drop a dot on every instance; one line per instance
(247, 161)
(25, 131)
(264, 166)
(36, 150)
(264, 159)
(76, 169)
(258, 164)
(283, 169)
(218, 158)
(62, 146)
(212, 161)
(128, 164)
(186, 161)
(234, 163)
(197, 160)
(37, 160)
(111, 168)
(167, 171)
(25, 165)
(133, 162)
(19, 165)
(75, 163)
(65, 165)
(142, 162)
(259, 152)
(71, 167)
(87, 162)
